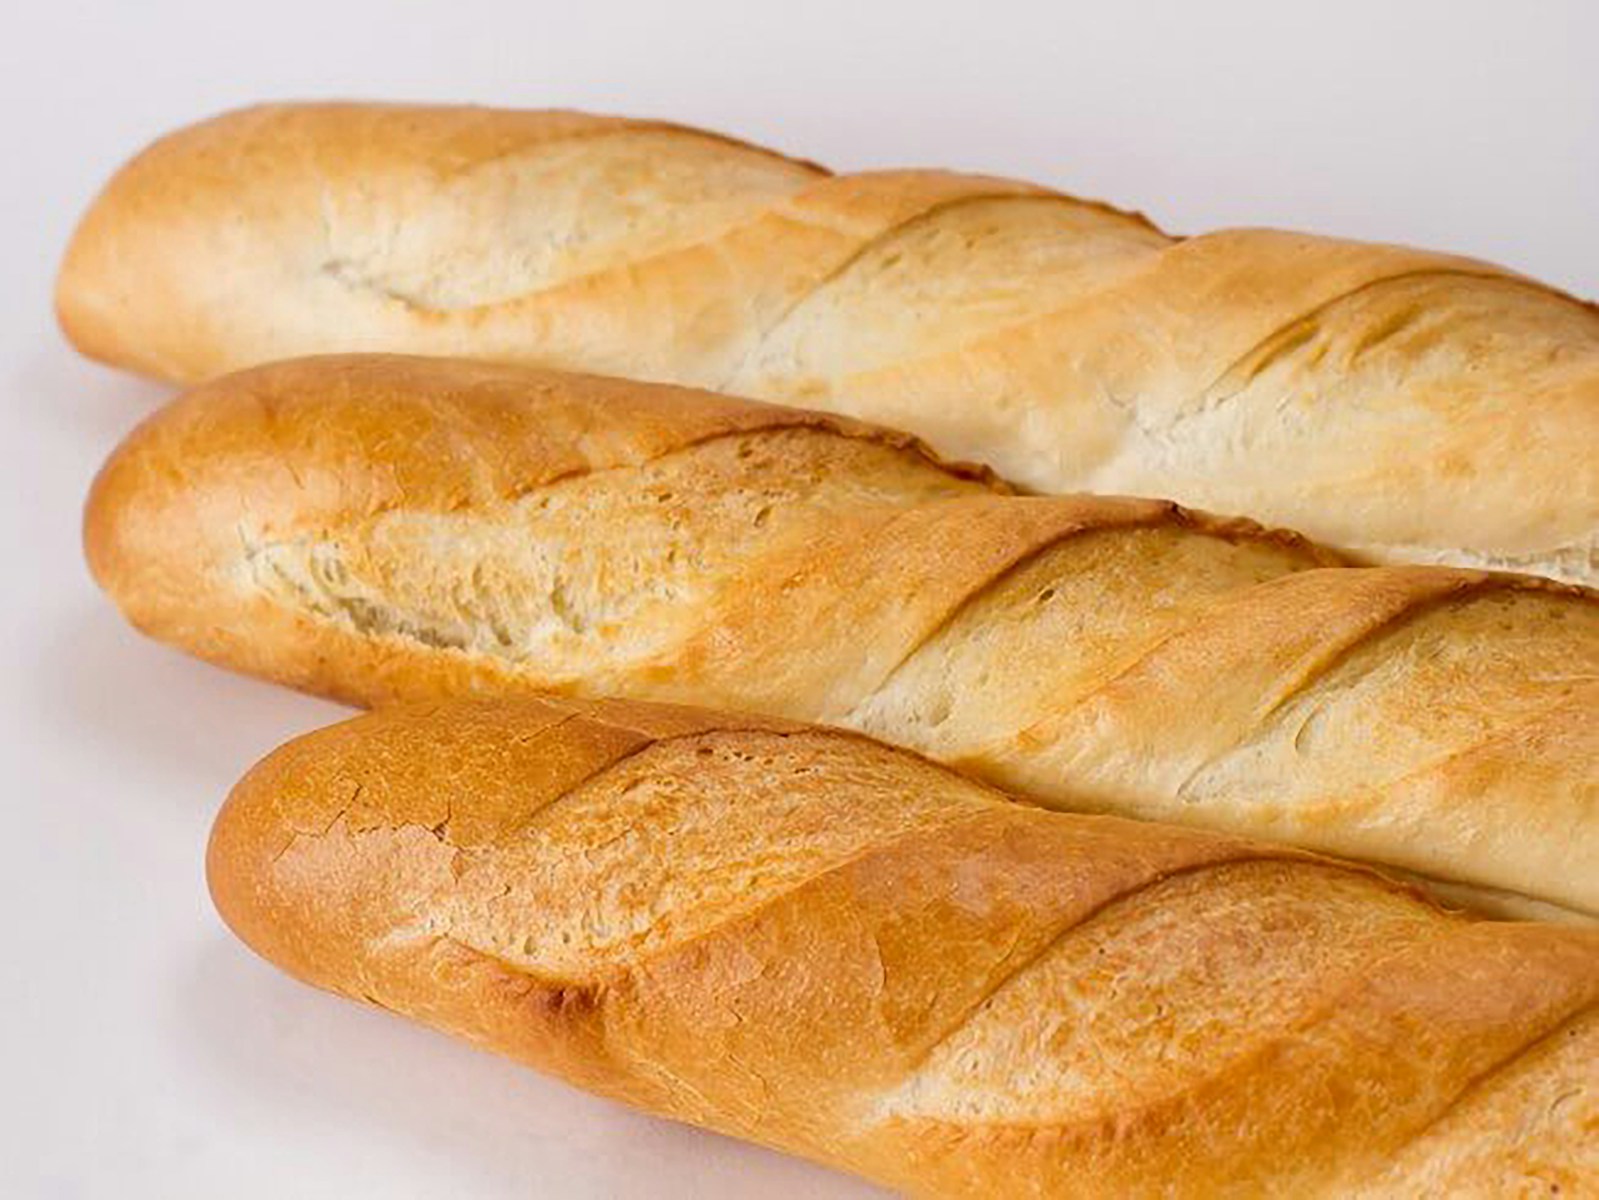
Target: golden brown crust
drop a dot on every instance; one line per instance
(1399, 404)
(801, 937)
(384, 528)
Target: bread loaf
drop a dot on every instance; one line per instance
(379, 529)
(804, 938)
(1398, 404)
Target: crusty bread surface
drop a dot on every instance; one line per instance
(1399, 404)
(379, 528)
(805, 938)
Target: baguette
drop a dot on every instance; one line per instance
(1398, 404)
(376, 529)
(804, 938)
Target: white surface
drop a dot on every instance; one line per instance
(142, 1053)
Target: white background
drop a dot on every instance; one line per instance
(144, 1054)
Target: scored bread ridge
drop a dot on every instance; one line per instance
(381, 528)
(1399, 404)
(804, 938)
